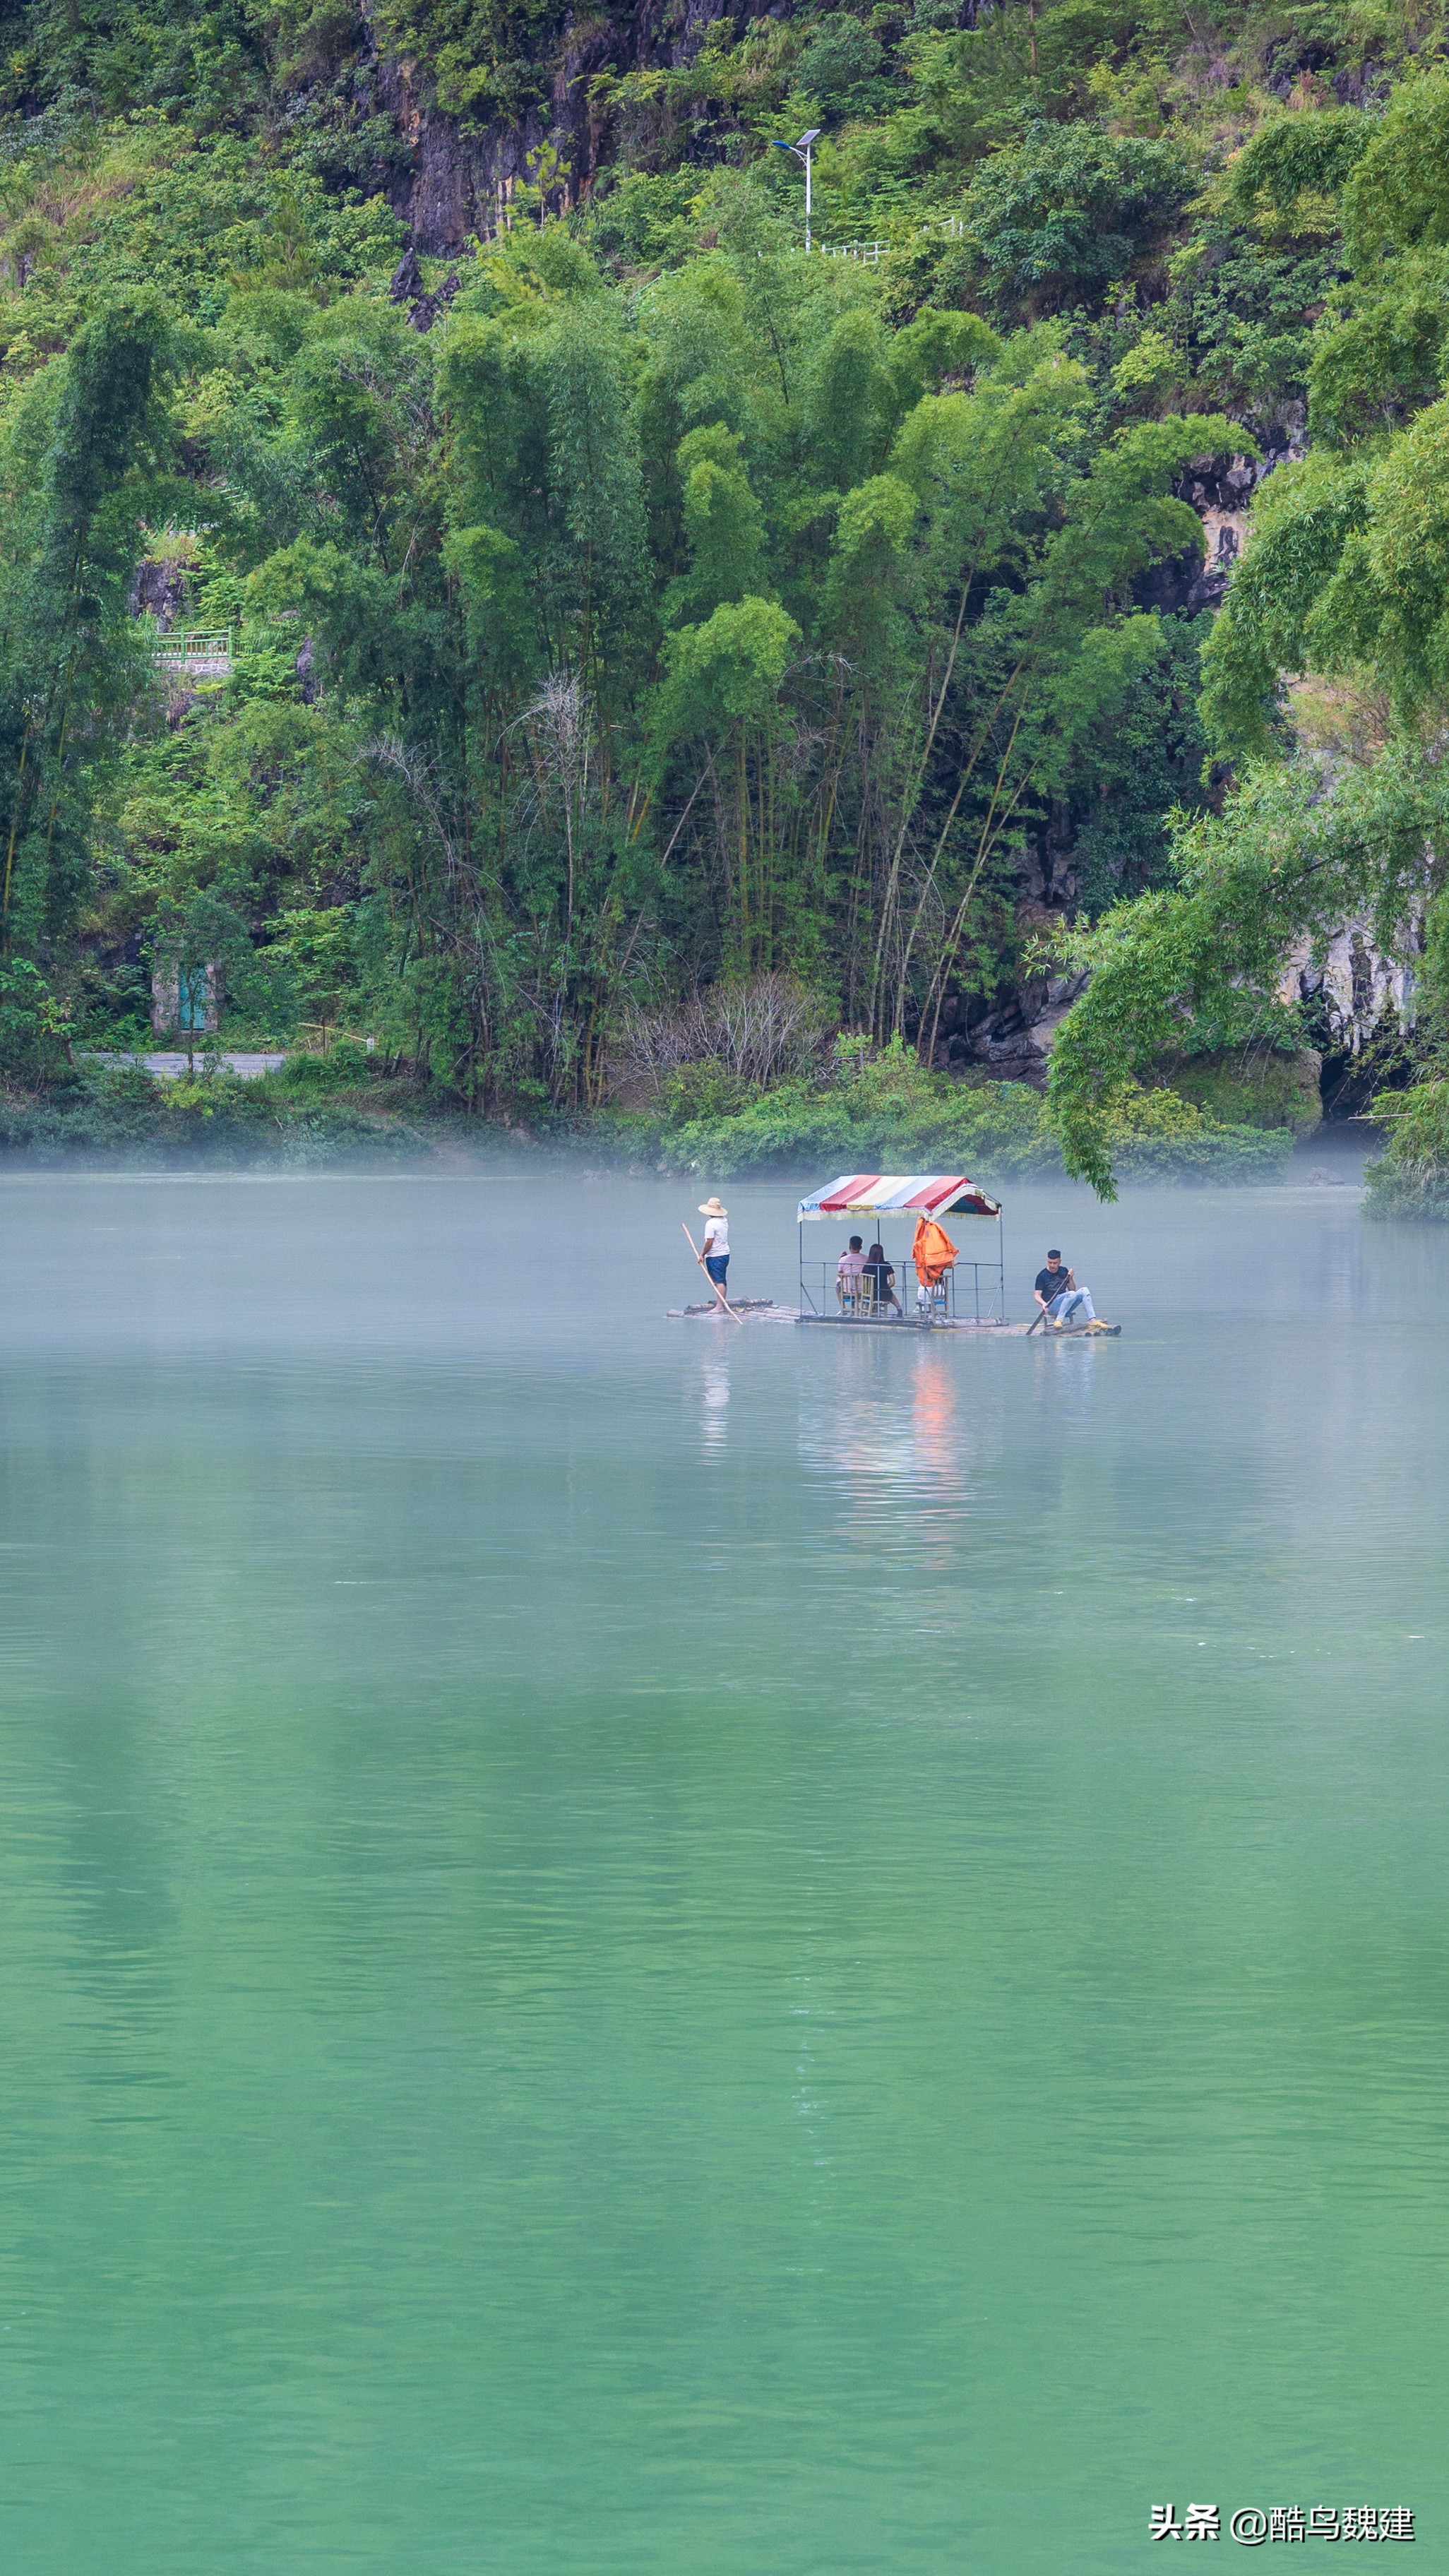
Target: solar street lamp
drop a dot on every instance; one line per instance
(801, 151)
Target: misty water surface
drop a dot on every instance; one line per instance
(645, 1949)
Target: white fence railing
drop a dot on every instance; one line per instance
(873, 252)
(188, 644)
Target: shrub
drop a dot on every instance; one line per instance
(708, 1089)
(312, 1076)
(121, 1113)
(759, 1028)
(1157, 1135)
(1271, 1089)
(892, 1113)
(1411, 1177)
(791, 1124)
(836, 61)
(32, 1022)
(102, 1109)
(888, 1111)
(1070, 209)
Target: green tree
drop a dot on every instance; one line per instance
(1291, 857)
(94, 442)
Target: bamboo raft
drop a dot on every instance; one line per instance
(763, 1310)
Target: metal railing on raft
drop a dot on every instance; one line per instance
(964, 1295)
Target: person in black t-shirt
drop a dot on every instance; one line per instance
(880, 1277)
(1058, 1295)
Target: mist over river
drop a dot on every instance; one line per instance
(637, 1948)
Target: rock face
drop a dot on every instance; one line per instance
(159, 590)
(407, 287)
(1015, 1042)
(1356, 988)
(1362, 1006)
(1220, 489)
(1011, 1037)
(459, 180)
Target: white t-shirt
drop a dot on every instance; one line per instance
(717, 1238)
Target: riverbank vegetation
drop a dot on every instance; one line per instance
(888, 1112)
(624, 612)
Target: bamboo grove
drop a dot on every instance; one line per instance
(600, 643)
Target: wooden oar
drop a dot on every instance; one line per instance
(714, 1283)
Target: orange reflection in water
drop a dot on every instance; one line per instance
(933, 1416)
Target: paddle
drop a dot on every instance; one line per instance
(714, 1283)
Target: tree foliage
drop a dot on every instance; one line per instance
(1327, 672)
(1292, 858)
(675, 608)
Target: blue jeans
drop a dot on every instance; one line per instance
(1067, 1304)
(717, 1264)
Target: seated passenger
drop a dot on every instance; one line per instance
(848, 1271)
(879, 1276)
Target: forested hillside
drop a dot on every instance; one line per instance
(474, 582)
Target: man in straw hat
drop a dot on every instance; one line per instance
(716, 1255)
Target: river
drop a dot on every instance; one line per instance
(655, 1949)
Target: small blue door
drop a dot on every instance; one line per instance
(191, 997)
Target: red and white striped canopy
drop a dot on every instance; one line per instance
(892, 1194)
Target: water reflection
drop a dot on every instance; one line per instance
(885, 1426)
(934, 1398)
(1066, 1375)
(714, 1391)
(855, 1427)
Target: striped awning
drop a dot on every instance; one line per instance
(879, 1194)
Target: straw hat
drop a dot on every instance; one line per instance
(712, 1207)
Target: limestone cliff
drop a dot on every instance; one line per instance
(456, 176)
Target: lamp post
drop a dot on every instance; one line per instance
(801, 151)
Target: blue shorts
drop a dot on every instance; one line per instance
(717, 1264)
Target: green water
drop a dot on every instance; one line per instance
(642, 1949)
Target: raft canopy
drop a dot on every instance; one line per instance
(878, 1194)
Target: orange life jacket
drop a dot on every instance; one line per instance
(932, 1252)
